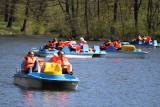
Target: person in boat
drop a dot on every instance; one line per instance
(144, 39)
(135, 41)
(73, 45)
(54, 42)
(60, 44)
(63, 60)
(148, 39)
(45, 47)
(117, 44)
(82, 42)
(139, 38)
(106, 45)
(31, 63)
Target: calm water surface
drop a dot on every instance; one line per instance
(104, 82)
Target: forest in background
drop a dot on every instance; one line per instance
(92, 19)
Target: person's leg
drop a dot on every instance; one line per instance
(69, 69)
(64, 71)
(27, 71)
(35, 66)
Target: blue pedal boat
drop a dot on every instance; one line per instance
(152, 43)
(44, 52)
(127, 51)
(50, 78)
(84, 53)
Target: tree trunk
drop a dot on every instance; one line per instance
(136, 12)
(77, 8)
(98, 10)
(6, 14)
(149, 15)
(86, 16)
(12, 10)
(72, 21)
(67, 7)
(26, 16)
(115, 10)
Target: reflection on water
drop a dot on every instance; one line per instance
(28, 98)
(104, 82)
(44, 98)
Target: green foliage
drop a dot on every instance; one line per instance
(51, 16)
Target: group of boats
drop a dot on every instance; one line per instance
(127, 51)
(53, 77)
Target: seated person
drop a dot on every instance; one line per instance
(54, 42)
(117, 44)
(31, 63)
(139, 38)
(106, 44)
(61, 59)
(59, 45)
(148, 39)
(82, 42)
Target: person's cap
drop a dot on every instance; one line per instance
(82, 39)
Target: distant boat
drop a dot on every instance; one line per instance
(44, 52)
(152, 43)
(127, 51)
(52, 78)
(85, 53)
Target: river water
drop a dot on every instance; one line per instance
(104, 82)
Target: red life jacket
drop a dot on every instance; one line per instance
(148, 39)
(106, 45)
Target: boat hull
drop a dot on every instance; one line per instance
(46, 81)
(69, 55)
(126, 55)
(98, 55)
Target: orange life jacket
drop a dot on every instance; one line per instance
(119, 45)
(63, 62)
(61, 44)
(29, 62)
(106, 45)
(116, 45)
